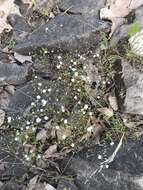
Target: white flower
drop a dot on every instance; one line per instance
(73, 80)
(64, 137)
(76, 74)
(28, 122)
(98, 97)
(99, 157)
(45, 51)
(73, 69)
(9, 119)
(38, 156)
(44, 102)
(65, 121)
(79, 90)
(84, 67)
(75, 63)
(63, 109)
(112, 143)
(16, 139)
(89, 129)
(38, 120)
(44, 90)
(58, 66)
(46, 29)
(85, 106)
(57, 127)
(61, 62)
(36, 77)
(59, 57)
(27, 127)
(103, 82)
(75, 97)
(90, 113)
(33, 104)
(33, 129)
(107, 166)
(39, 84)
(38, 97)
(41, 110)
(72, 145)
(46, 118)
(49, 90)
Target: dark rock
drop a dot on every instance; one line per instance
(68, 32)
(125, 172)
(66, 184)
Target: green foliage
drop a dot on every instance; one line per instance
(104, 42)
(135, 28)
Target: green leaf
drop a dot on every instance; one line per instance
(135, 28)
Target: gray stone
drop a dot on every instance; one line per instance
(125, 172)
(68, 32)
(133, 80)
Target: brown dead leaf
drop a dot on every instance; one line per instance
(7, 7)
(95, 128)
(113, 102)
(108, 112)
(49, 153)
(62, 133)
(2, 117)
(117, 10)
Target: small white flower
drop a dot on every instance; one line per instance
(16, 139)
(9, 119)
(76, 74)
(84, 67)
(61, 62)
(46, 29)
(108, 82)
(38, 97)
(33, 104)
(103, 82)
(65, 121)
(84, 58)
(79, 90)
(45, 51)
(27, 127)
(73, 69)
(75, 63)
(46, 118)
(38, 120)
(44, 90)
(97, 55)
(59, 78)
(85, 106)
(73, 80)
(59, 57)
(38, 156)
(72, 145)
(63, 109)
(112, 143)
(107, 166)
(98, 97)
(36, 77)
(89, 129)
(90, 113)
(57, 127)
(49, 90)
(99, 157)
(44, 102)
(41, 110)
(75, 97)
(28, 122)
(33, 129)
(39, 84)
(64, 137)
(58, 66)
